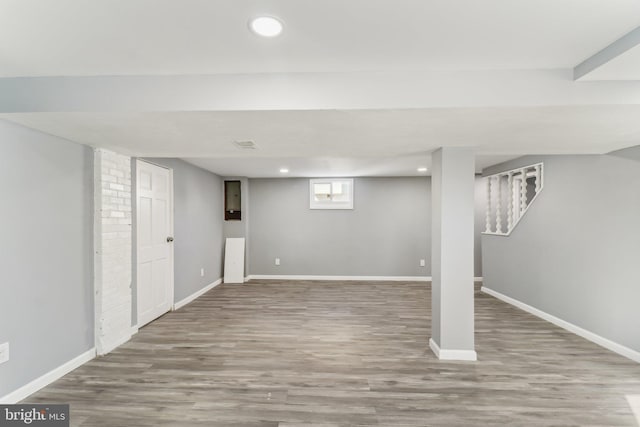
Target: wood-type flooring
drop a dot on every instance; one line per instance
(329, 354)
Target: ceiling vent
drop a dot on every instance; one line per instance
(245, 145)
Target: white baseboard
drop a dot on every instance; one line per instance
(46, 379)
(195, 295)
(364, 278)
(604, 342)
(370, 278)
(443, 354)
(134, 330)
(104, 347)
(634, 404)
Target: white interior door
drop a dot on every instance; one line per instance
(154, 241)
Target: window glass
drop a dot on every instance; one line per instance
(331, 193)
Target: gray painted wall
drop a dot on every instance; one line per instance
(632, 153)
(46, 260)
(576, 252)
(479, 223)
(198, 218)
(386, 234)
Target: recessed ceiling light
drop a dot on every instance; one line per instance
(284, 170)
(422, 169)
(266, 26)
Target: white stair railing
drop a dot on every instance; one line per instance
(516, 190)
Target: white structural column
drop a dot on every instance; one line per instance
(112, 242)
(452, 323)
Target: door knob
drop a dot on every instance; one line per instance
(169, 239)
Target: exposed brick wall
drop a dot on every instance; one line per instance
(112, 228)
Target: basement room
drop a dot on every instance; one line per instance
(296, 213)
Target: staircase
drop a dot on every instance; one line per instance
(509, 195)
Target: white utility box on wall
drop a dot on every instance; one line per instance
(234, 260)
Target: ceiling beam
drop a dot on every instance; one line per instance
(310, 91)
(615, 49)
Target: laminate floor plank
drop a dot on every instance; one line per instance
(338, 354)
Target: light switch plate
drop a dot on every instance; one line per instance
(4, 352)
(423, 263)
(277, 261)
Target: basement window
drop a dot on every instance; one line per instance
(331, 193)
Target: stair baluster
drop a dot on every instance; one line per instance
(517, 203)
(499, 206)
(488, 220)
(523, 191)
(510, 206)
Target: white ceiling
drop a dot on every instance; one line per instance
(523, 47)
(150, 37)
(355, 142)
(625, 66)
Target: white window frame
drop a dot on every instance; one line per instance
(331, 204)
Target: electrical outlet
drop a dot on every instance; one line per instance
(277, 261)
(4, 352)
(202, 272)
(423, 263)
